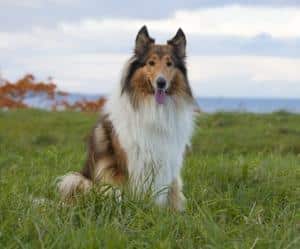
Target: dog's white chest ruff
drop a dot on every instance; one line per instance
(154, 138)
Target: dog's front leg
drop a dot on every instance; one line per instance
(171, 196)
(176, 199)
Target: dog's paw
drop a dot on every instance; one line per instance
(178, 203)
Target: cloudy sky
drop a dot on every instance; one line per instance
(235, 48)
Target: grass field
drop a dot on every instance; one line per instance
(242, 182)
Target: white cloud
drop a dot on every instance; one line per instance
(221, 21)
(241, 21)
(111, 33)
(231, 20)
(252, 76)
(87, 73)
(256, 68)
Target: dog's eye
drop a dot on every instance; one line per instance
(151, 63)
(169, 63)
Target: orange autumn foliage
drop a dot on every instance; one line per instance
(12, 95)
(82, 105)
(27, 84)
(6, 102)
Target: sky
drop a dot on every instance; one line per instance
(235, 48)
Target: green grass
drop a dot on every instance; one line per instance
(242, 182)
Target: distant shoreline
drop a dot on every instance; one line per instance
(255, 105)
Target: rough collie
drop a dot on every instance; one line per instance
(145, 126)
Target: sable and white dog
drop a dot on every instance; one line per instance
(144, 127)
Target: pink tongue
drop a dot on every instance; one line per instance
(160, 96)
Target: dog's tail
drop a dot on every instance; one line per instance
(72, 183)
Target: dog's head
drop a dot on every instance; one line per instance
(157, 71)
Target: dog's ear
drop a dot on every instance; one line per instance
(179, 43)
(142, 42)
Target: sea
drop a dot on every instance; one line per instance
(254, 105)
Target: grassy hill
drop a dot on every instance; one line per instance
(242, 182)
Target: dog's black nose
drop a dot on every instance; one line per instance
(161, 83)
